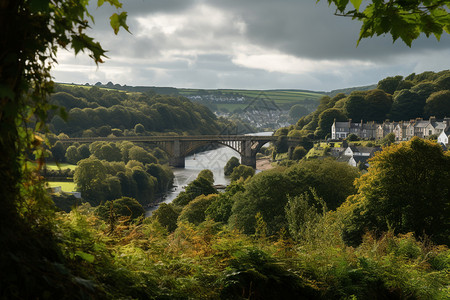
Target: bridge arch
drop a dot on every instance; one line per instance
(194, 146)
(177, 147)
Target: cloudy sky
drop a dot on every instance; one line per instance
(246, 44)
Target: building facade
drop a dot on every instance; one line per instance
(403, 130)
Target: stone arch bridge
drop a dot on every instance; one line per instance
(178, 147)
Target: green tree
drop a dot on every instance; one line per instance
(407, 105)
(424, 89)
(123, 207)
(326, 119)
(113, 189)
(443, 82)
(298, 153)
(352, 137)
(139, 128)
(90, 176)
(72, 155)
(401, 19)
(83, 151)
(207, 174)
(407, 189)
(242, 171)
(145, 186)
(199, 186)
(438, 104)
(195, 211)
(388, 139)
(142, 155)
(167, 216)
(378, 105)
(232, 163)
(264, 193)
(58, 152)
(389, 84)
(355, 106)
(331, 180)
(302, 213)
(281, 144)
(163, 174)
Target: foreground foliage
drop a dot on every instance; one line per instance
(407, 188)
(209, 261)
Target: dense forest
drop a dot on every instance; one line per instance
(93, 111)
(396, 98)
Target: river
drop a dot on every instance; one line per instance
(212, 159)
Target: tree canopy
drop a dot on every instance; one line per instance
(401, 19)
(407, 189)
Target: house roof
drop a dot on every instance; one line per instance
(439, 125)
(361, 149)
(369, 126)
(343, 158)
(341, 124)
(421, 124)
(362, 159)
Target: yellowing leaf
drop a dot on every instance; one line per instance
(356, 3)
(86, 256)
(118, 21)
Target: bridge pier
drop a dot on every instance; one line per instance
(248, 156)
(249, 161)
(177, 161)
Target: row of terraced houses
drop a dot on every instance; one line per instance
(403, 130)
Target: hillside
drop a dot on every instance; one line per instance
(352, 89)
(261, 109)
(395, 98)
(94, 111)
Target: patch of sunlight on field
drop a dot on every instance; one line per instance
(63, 166)
(65, 186)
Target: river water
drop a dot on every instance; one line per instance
(213, 159)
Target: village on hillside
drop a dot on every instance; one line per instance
(403, 131)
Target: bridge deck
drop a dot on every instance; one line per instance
(191, 138)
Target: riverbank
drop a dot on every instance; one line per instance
(264, 164)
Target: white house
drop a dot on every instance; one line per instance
(444, 137)
(340, 130)
(355, 154)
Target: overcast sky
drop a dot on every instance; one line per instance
(246, 44)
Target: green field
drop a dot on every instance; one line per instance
(62, 166)
(65, 186)
(279, 96)
(282, 98)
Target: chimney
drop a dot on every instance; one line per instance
(432, 119)
(349, 122)
(446, 121)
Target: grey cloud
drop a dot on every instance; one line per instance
(296, 27)
(307, 29)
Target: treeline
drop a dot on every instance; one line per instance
(108, 171)
(100, 112)
(395, 98)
